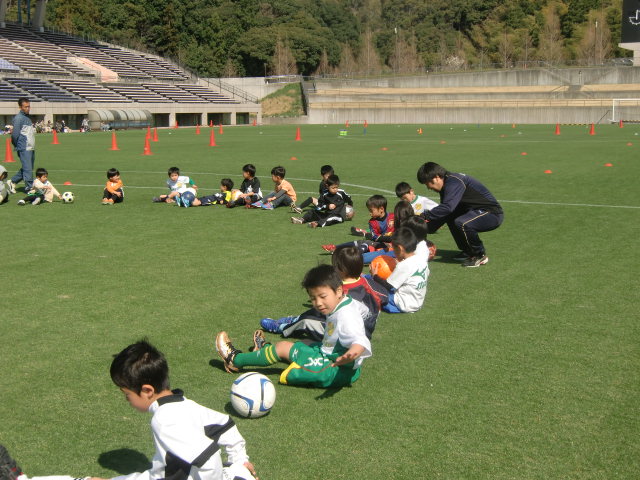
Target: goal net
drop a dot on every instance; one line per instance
(625, 109)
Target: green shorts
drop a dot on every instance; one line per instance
(309, 366)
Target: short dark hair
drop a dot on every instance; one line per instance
(278, 171)
(324, 169)
(322, 276)
(140, 364)
(227, 182)
(429, 171)
(250, 169)
(401, 212)
(173, 170)
(41, 171)
(22, 100)
(418, 226)
(333, 180)
(347, 259)
(405, 238)
(112, 172)
(402, 189)
(377, 201)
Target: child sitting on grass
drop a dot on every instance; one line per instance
(283, 193)
(335, 362)
(419, 203)
(331, 207)
(249, 189)
(42, 190)
(113, 192)
(178, 184)
(221, 198)
(407, 284)
(347, 260)
(5, 191)
(325, 172)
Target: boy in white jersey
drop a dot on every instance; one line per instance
(407, 285)
(334, 362)
(187, 436)
(178, 184)
(418, 203)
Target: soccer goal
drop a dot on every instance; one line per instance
(625, 109)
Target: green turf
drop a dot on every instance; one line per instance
(526, 368)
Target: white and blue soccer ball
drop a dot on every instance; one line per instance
(68, 197)
(252, 395)
(349, 212)
(187, 198)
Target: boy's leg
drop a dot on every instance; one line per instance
(118, 198)
(310, 323)
(310, 367)
(283, 199)
(390, 306)
(265, 356)
(306, 203)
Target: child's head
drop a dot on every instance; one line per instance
(417, 225)
(226, 184)
(112, 173)
(405, 192)
(249, 171)
(347, 260)
(404, 243)
(139, 370)
(333, 183)
(325, 171)
(174, 173)
(3, 173)
(278, 173)
(401, 212)
(432, 175)
(377, 206)
(324, 286)
(42, 173)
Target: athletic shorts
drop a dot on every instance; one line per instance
(309, 366)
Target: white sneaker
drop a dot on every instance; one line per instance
(297, 220)
(21, 202)
(12, 186)
(36, 201)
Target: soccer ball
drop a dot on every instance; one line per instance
(235, 194)
(252, 395)
(187, 198)
(349, 212)
(67, 197)
(385, 266)
(432, 249)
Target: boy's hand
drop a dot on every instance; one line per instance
(251, 468)
(332, 206)
(119, 194)
(271, 199)
(349, 356)
(373, 268)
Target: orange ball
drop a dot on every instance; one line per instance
(432, 249)
(383, 265)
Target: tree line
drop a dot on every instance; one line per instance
(277, 37)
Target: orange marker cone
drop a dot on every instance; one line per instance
(548, 171)
(255, 122)
(176, 125)
(210, 123)
(114, 142)
(148, 132)
(420, 131)
(197, 129)
(557, 129)
(513, 125)
(67, 183)
(298, 137)
(8, 154)
(592, 130)
(55, 138)
(212, 139)
(155, 134)
(621, 124)
(524, 154)
(147, 147)
(608, 164)
(220, 130)
(365, 124)
(346, 124)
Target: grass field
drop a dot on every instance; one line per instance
(526, 368)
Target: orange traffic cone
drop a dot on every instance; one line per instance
(366, 124)
(147, 147)
(220, 130)
(155, 134)
(621, 124)
(148, 132)
(212, 139)
(198, 129)
(114, 142)
(557, 129)
(298, 137)
(592, 130)
(176, 125)
(255, 122)
(420, 131)
(8, 154)
(55, 138)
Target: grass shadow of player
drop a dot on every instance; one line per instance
(446, 256)
(328, 393)
(124, 461)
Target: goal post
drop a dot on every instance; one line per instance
(625, 109)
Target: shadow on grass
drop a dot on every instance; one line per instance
(446, 256)
(124, 461)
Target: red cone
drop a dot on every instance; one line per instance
(198, 129)
(212, 139)
(8, 154)
(176, 125)
(592, 130)
(147, 147)
(55, 138)
(255, 122)
(114, 142)
(298, 137)
(557, 129)
(148, 132)
(155, 134)
(220, 130)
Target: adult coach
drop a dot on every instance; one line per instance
(23, 139)
(466, 206)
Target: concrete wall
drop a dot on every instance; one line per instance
(254, 85)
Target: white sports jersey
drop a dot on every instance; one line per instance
(180, 185)
(410, 281)
(420, 204)
(345, 327)
(188, 437)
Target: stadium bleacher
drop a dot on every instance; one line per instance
(43, 90)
